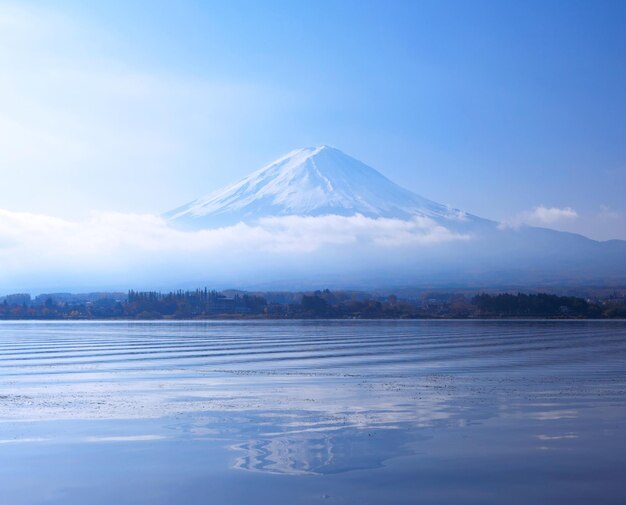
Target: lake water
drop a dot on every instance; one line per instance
(344, 412)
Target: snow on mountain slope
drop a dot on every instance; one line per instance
(353, 225)
(313, 181)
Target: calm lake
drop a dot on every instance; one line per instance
(337, 412)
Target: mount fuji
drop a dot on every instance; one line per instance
(325, 183)
(314, 181)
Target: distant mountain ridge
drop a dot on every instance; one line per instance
(313, 181)
(323, 181)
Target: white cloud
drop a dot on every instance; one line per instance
(121, 247)
(550, 215)
(309, 233)
(543, 216)
(104, 234)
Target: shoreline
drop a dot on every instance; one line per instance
(306, 319)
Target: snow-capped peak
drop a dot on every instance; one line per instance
(311, 181)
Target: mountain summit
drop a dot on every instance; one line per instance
(313, 181)
(434, 244)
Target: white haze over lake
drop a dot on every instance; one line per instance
(116, 250)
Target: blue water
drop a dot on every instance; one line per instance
(433, 412)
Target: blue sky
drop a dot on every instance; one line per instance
(510, 110)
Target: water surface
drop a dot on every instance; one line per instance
(427, 412)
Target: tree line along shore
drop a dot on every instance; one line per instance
(210, 304)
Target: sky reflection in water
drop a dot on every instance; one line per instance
(340, 412)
